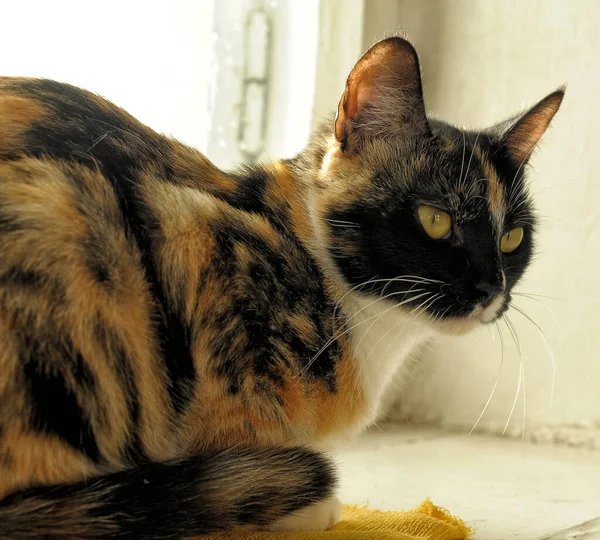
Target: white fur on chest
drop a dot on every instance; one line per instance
(383, 336)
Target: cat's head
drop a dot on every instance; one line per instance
(434, 218)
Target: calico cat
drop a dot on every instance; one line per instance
(179, 343)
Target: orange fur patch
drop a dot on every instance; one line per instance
(496, 198)
(527, 132)
(16, 114)
(343, 410)
(39, 459)
(283, 193)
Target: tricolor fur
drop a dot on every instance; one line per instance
(177, 340)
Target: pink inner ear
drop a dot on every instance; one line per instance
(356, 97)
(390, 66)
(527, 132)
(365, 94)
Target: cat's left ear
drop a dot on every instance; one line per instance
(383, 96)
(524, 134)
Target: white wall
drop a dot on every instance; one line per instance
(340, 46)
(176, 65)
(151, 57)
(483, 61)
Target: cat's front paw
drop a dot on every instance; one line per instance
(316, 517)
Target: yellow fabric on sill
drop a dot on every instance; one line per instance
(428, 522)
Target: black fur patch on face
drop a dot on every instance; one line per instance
(388, 243)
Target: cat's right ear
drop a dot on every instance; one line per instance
(524, 134)
(383, 96)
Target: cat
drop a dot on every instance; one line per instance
(181, 345)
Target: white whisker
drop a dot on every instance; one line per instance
(406, 279)
(487, 403)
(422, 307)
(335, 337)
(472, 152)
(537, 300)
(522, 373)
(522, 185)
(548, 349)
(473, 186)
(463, 160)
(512, 331)
(542, 296)
(340, 223)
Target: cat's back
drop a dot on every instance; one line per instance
(57, 205)
(53, 120)
(75, 305)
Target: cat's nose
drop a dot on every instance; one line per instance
(488, 291)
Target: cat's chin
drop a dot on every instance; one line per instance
(489, 314)
(457, 326)
(480, 316)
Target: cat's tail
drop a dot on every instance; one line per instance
(214, 491)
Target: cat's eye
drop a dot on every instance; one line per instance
(436, 223)
(511, 240)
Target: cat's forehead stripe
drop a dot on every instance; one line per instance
(495, 190)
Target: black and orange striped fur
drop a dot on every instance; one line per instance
(178, 341)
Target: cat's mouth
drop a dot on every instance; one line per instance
(493, 310)
(479, 315)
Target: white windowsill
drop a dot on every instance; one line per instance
(502, 487)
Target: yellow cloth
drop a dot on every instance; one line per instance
(428, 522)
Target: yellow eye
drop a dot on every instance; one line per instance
(511, 240)
(436, 223)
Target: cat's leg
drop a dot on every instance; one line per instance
(316, 517)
